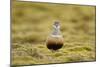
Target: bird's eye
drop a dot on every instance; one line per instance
(56, 24)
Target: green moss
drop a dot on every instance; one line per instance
(87, 48)
(58, 54)
(31, 25)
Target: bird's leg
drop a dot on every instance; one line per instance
(52, 51)
(57, 50)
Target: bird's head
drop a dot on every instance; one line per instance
(56, 24)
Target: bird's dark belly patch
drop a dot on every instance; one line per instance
(54, 46)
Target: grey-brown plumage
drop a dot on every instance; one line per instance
(55, 40)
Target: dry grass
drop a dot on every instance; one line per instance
(32, 23)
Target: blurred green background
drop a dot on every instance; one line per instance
(32, 24)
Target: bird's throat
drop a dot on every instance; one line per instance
(56, 31)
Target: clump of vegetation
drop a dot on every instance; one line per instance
(34, 53)
(75, 58)
(82, 48)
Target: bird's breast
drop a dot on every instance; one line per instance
(54, 43)
(55, 40)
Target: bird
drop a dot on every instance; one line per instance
(55, 40)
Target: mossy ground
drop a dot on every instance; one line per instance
(32, 24)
